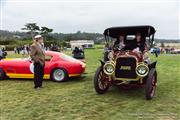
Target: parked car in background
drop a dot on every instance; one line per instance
(175, 51)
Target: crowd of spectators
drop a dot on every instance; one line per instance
(25, 49)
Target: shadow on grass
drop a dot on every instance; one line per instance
(134, 93)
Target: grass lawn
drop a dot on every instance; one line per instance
(76, 99)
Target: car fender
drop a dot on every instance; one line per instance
(152, 65)
(60, 68)
(58, 65)
(102, 62)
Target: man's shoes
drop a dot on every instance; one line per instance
(36, 88)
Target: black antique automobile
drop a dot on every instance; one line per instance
(124, 66)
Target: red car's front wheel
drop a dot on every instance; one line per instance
(59, 75)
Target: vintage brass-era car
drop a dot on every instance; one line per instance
(128, 64)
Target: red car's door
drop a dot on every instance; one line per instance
(48, 61)
(18, 68)
(24, 67)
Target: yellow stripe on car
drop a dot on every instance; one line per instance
(13, 75)
(46, 76)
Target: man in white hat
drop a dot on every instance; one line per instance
(38, 58)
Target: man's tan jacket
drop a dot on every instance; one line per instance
(37, 54)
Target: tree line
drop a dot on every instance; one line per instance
(31, 29)
(17, 38)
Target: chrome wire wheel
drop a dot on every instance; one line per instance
(59, 75)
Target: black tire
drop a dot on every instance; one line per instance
(63, 77)
(2, 74)
(151, 82)
(98, 79)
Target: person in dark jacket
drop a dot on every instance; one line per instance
(38, 57)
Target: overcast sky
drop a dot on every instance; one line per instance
(67, 16)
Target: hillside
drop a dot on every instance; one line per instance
(97, 37)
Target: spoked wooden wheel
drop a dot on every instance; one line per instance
(151, 84)
(101, 83)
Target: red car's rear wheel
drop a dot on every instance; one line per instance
(2, 74)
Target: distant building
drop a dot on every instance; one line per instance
(82, 43)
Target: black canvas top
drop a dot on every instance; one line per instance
(145, 30)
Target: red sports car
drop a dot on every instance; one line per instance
(58, 67)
